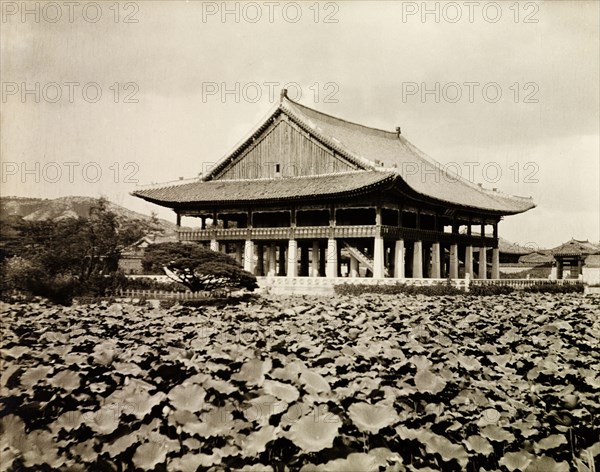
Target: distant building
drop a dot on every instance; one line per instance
(537, 258)
(571, 258)
(130, 261)
(591, 269)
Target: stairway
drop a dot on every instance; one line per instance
(362, 257)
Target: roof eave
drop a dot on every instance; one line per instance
(386, 182)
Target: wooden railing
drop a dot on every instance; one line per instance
(341, 232)
(312, 232)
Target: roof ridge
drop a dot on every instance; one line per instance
(392, 133)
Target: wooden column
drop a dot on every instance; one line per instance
(292, 258)
(177, 219)
(399, 259)
(454, 261)
(239, 248)
(559, 269)
(417, 265)
(426, 250)
(282, 260)
(304, 260)
(435, 261)
(260, 262)
(322, 259)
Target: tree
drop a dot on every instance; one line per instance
(196, 267)
(58, 259)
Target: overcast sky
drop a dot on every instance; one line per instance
(507, 93)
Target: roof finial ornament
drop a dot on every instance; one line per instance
(398, 131)
(282, 95)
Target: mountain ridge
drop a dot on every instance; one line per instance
(55, 209)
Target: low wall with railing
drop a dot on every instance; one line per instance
(522, 283)
(325, 286)
(169, 295)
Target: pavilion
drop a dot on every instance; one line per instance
(306, 193)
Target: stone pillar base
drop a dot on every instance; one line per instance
(292, 259)
(495, 263)
(399, 259)
(378, 258)
(417, 265)
(454, 261)
(249, 256)
(331, 267)
(482, 263)
(469, 262)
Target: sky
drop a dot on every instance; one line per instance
(98, 98)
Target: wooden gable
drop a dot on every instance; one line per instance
(284, 150)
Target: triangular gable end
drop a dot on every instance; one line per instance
(281, 147)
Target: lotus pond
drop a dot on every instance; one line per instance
(373, 383)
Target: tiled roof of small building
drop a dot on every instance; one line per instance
(576, 248)
(248, 190)
(536, 258)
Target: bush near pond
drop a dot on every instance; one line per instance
(397, 289)
(448, 289)
(312, 384)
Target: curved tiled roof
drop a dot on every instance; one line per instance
(251, 190)
(369, 146)
(380, 154)
(575, 247)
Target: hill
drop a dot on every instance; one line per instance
(38, 209)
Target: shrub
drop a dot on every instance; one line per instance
(554, 287)
(485, 290)
(397, 289)
(151, 284)
(29, 276)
